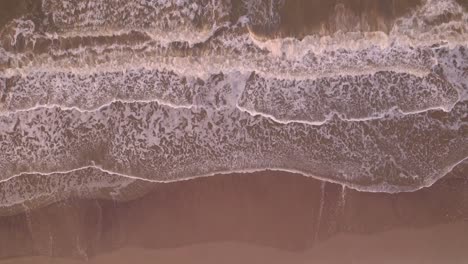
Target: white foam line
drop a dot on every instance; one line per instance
(155, 34)
(207, 71)
(102, 69)
(331, 115)
(81, 110)
(381, 188)
(336, 41)
(448, 170)
(281, 121)
(252, 113)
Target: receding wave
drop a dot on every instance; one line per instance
(30, 191)
(171, 90)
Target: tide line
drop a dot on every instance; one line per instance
(376, 188)
(330, 116)
(81, 110)
(253, 113)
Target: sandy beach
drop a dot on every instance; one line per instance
(287, 215)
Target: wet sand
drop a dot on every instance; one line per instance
(404, 246)
(268, 215)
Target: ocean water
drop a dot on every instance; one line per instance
(97, 94)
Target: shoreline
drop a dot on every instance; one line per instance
(122, 182)
(271, 209)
